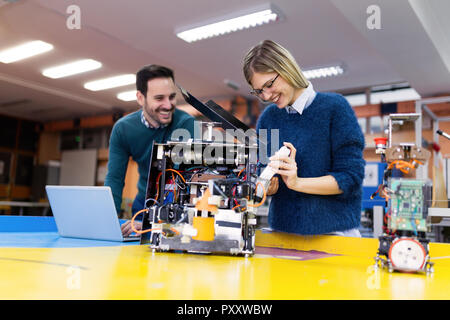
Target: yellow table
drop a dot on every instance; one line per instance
(134, 272)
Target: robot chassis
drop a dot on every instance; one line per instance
(202, 195)
(403, 246)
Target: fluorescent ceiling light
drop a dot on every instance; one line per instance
(323, 72)
(71, 68)
(127, 95)
(111, 82)
(24, 51)
(406, 94)
(264, 14)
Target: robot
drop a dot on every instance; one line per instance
(203, 195)
(404, 246)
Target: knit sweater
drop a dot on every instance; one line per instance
(329, 141)
(131, 138)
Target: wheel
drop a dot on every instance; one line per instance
(407, 254)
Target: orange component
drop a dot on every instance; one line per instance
(205, 228)
(203, 204)
(401, 165)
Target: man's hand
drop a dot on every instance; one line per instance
(126, 227)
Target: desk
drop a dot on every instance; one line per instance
(25, 204)
(285, 266)
(440, 218)
(41, 232)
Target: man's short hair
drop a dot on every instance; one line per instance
(150, 72)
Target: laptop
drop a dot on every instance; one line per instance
(86, 212)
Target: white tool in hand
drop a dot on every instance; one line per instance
(268, 172)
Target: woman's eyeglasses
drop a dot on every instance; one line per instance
(259, 92)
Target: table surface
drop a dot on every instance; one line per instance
(24, 204)
(37, 264)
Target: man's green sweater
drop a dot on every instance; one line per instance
(131, 138)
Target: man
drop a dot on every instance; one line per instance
(133, 135)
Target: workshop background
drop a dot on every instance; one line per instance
(55, 131)
(385, 57)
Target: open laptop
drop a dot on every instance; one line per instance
(85, 212)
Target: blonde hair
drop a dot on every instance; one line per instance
(269, 56)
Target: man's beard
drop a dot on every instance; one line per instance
(153, 114)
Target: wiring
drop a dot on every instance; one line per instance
(174, 189)
(386, 219)
(157, 185)
(413, 223)
(235, 207)
(159, 178)
(234, 197)
(216, 187)
(380, 187)
(148, 230)
(404, 166)
(200, 170)
(178, 173)
(263, 198)
(154, 201)
(134, 228)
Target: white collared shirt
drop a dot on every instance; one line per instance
(303, 101)
(148, 125)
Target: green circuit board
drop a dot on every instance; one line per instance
(408, 205)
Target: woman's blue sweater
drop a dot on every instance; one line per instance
(329, 141)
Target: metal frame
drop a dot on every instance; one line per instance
(416, 117)
(421, 172)
(422, 105)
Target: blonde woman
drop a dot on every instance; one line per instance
(320, 189)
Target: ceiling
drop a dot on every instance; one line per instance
(412, 45)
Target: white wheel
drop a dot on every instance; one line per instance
(407, 254)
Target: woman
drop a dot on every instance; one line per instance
(320, 190)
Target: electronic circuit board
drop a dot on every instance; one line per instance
(409, 205)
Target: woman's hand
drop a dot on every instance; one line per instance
(286, 167)
(273, 186)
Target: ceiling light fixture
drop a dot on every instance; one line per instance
(24, 51)
(127, 96)
(234, 22)
(71, 68)
(324, 72)
(111, 82)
